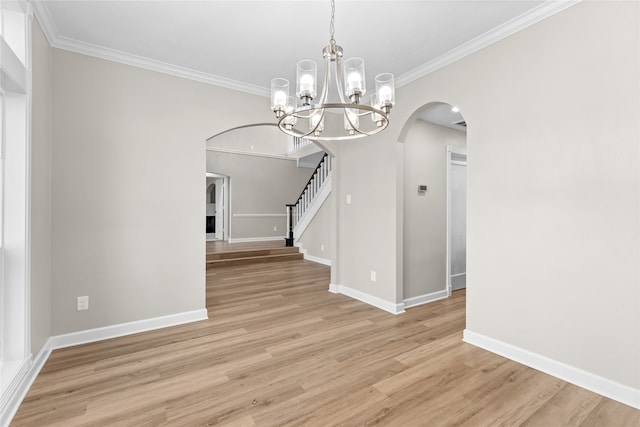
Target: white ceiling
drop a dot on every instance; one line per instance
(442, 114)
(244, 44)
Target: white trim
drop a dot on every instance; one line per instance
(14, 401)
(450, 151)
(246, 153)
(516, 24)
(123, 329)
(87, 336)
(258, 215)
(255, 239)
(313, 208)
(313, 258)
(319, 260)
(14, 393)
(366, 298)
(84, 48)
(423, 299)
(603, 386)
(492, 36)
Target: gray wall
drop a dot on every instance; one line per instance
(425, 215)
(319, 238)
(128, 190)
(41, 147)
(553, 189)
(258, 186)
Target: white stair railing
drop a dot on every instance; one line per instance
(298, 143)
(296, 211)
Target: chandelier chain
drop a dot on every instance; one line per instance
(332, 28)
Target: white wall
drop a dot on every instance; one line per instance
(318, 238)
(128, 190)
(425, 214)
(256, 139)
(553, 186)
(41, 147)
(260, 187)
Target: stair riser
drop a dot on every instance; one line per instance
(259, 260)
(247, 254)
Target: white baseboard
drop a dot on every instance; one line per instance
(423, 299)
(366, 298)
(313, 258)
(255, 239)
(122, 329)
(605, 387)
(87, 336)
(318, 259)
(15, 392)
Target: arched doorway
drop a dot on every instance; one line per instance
(434, 204)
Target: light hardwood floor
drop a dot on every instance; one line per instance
(279, 349)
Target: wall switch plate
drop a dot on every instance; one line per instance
(348, 199)
(322, 248)
(275, 228)
(82, 303)
(373, 276)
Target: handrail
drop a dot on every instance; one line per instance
(296, 210)
(313, 175)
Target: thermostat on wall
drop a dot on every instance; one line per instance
(422, 188)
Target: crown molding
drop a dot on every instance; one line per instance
(518, 23)
(65, 43)
(521, 22)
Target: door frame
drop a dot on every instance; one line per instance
(222, 223)
(453, 157)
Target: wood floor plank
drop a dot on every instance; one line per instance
(280, 350)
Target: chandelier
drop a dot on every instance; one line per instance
(321, 119)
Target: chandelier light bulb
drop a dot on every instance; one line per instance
(280, 99)
(355, 83)
(279, 95)
(351, 121)
(385, 90)
(307, 71)
(290, 120)
(316, 123)
(384, 95)
(306, 83)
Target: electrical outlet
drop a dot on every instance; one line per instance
(321, 248)
(348, 199)
(82, 303)
(373, 276)
(275, 228)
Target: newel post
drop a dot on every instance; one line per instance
(289, 239)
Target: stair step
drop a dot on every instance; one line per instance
(250, 253)
(243, 260)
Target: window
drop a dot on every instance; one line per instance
(15, 355)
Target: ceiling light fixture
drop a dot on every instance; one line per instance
(332, 121)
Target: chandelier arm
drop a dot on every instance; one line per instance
(325, 83)
(340, 79)
(353, 127)
(313, 131)
(310, 135)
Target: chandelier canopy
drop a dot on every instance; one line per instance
(306, 116)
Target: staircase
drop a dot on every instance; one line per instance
(234, 257)
(316, 191)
